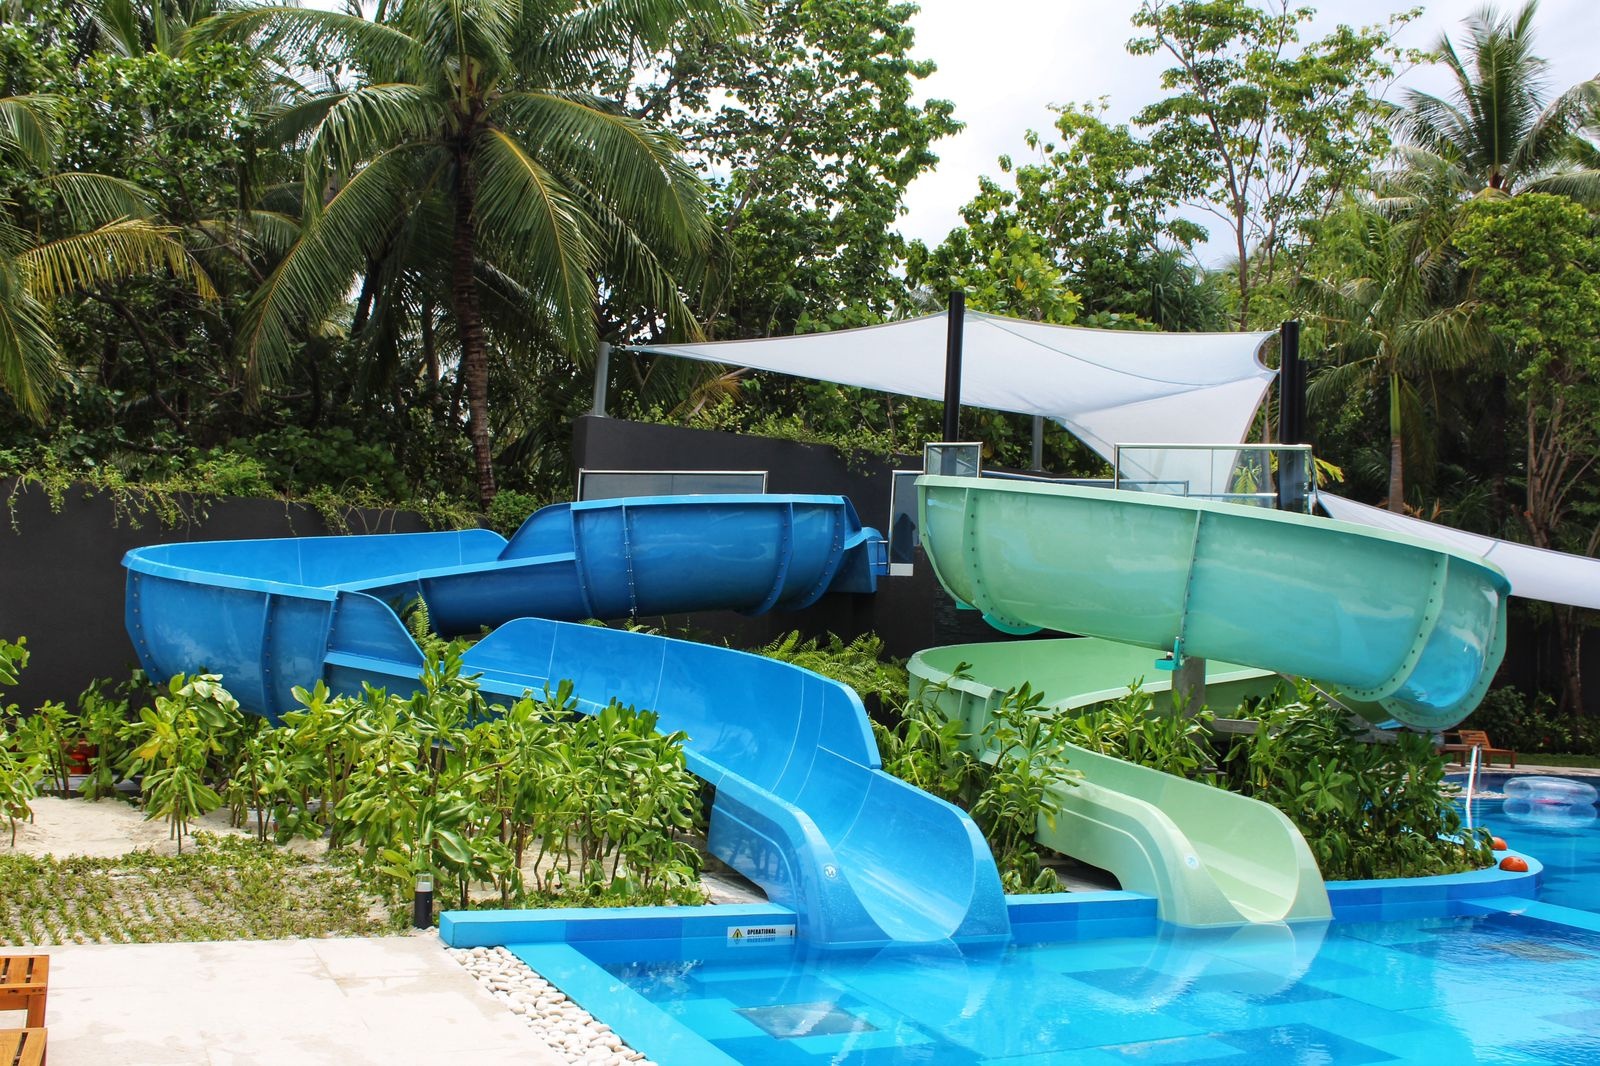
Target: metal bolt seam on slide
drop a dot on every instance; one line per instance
(830, 569)
(627, 558)
(1432, 608)
(980, 598)
(266, 655)
(785, 549)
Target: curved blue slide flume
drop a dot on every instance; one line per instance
(802, 805)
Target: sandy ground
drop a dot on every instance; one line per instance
(103, 828)
(110, 827)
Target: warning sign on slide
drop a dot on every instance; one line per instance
(759, 934)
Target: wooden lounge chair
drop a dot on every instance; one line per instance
(22, 1047)
(1467, 739)
(24, 983)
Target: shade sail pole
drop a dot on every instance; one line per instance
(1293, 475)
(956, 329)
(602, 372)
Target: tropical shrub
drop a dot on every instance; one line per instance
(441, 783)
(173, 743)
(1005, 775)
(1534, 725)
(103, 714)
(20, 765)
(879, 679)
(1131, 728)
(1366, 809)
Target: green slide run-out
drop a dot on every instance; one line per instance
(1413, 627)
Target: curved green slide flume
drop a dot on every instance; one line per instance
(1414, 627)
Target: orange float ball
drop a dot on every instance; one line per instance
(1498, 843)
(1515, 864)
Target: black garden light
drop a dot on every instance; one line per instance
(422, 902)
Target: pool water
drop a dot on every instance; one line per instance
(1565, 838)
(1496, 987)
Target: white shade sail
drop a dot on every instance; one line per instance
(1535, 573)
(1105, 386)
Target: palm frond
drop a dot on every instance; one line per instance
(1451, 338)
(317, 271)
(95, 199)
(294, 31)
(28, 127)
(636, 169)
(622, 28)
(1575, 183)
(120, 29)
(454, 33)
(524, 210)
(367, 121)
(113, 252)
(273, 231)
(29, 357)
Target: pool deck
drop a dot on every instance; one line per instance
(391, 1000)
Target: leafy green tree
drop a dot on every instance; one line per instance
(1535, 263)
(468, 144)
(1270, 131)
(1495, 132)
(110, 237)
(1086, 234)
(810, 131)
(1391, 326)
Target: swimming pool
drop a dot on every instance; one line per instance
(1459, 970)
(1492, 987)
(1566, 840)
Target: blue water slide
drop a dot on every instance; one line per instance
(802, 805)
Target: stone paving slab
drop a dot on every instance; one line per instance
(391, 1000)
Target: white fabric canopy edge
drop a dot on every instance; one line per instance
(1535, 573)
(1088, 380)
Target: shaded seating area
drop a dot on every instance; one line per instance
(24, 984)
(1461, 742)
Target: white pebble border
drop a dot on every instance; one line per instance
(567, 1028)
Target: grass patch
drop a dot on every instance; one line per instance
(227, 888)
(1545, 759)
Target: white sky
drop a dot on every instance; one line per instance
(1004, 62)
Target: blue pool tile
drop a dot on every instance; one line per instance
(1303, 1044)
(1208, 1049)
(714, 1019)
(769, 1052)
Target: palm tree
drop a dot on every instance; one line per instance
(1496, 135)
(469, 129)
(1389, 321)
(111, 237)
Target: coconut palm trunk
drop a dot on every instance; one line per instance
(469, 323)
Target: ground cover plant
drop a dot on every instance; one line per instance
(224, 888)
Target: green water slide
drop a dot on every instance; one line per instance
(1407, 625)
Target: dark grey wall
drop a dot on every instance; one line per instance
(61, 577)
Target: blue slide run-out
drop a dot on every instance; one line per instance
(802, 807)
